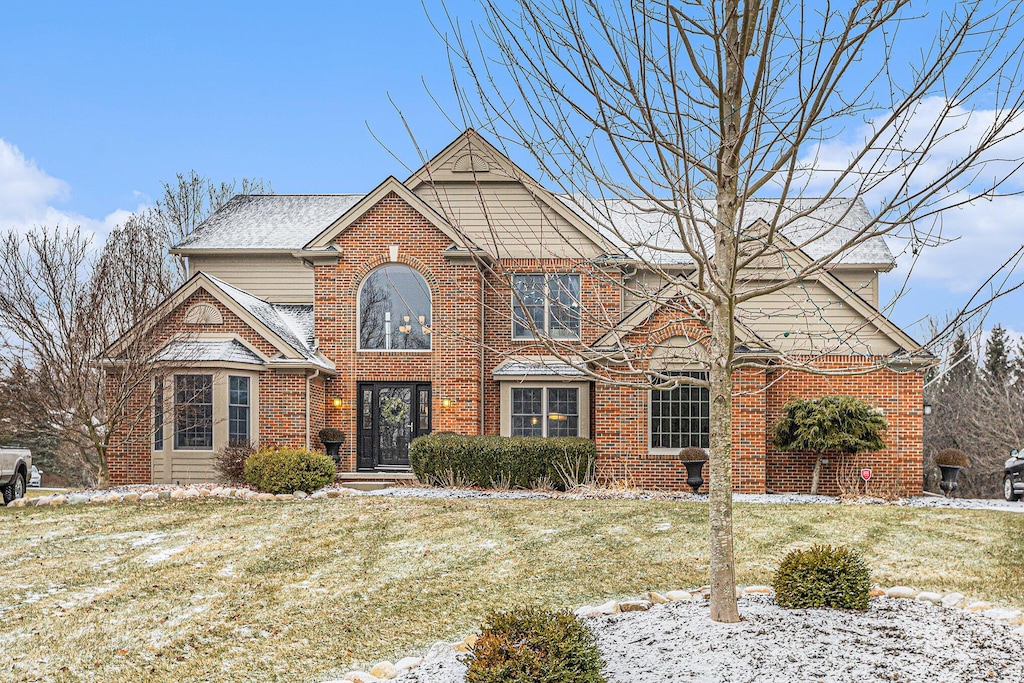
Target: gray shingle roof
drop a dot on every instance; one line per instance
(647, 233)
(272, 221)
(293, 323)
(227, 351)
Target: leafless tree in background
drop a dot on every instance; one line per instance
(190, 200)
(683, 111)
(976, 409)
(64, 301)
(61, 306)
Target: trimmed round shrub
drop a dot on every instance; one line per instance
(823, 576)
(693, 454)
(331, 434)
(287, 470)
(529, 645)
(503, 461)
(952, 457)
(230, 461)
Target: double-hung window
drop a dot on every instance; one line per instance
(545, 411)
(238, 411)
(548, 303)
(193, 412)
(680, 417)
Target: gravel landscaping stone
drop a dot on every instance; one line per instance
(894, 640)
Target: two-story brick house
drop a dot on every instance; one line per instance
(470, 299)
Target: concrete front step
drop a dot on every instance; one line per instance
(374, 481)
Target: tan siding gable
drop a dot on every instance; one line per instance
(277, 278)
(507, 220)
(862, 281)
(811, 318)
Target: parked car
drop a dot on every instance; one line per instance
(14, 467)
(35, 477)
(1013, 476)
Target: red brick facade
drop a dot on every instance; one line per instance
(471, 335)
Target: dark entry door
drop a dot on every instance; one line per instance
(391, 415)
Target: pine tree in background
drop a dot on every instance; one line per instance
(997, 357)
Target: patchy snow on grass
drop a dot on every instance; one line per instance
(165, 554)
(895, 640)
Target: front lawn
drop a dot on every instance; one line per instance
(228, 590)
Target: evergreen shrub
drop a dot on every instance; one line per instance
(823, 576)
(287, 470)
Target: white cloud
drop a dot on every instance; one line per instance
(976, 238)
(29, 197)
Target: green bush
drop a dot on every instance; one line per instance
(823, 576)
(287, 470)
(515, 462)
(530, 644)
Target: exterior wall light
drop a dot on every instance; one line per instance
(446, 403)
(927, 408)
(338, 402)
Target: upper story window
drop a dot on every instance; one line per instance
(550, 302)
(394, 310)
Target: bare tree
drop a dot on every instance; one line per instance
(62, 305)
(979, 411)
(684, 112)
(189, 200)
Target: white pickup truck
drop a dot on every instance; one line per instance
(14, 466)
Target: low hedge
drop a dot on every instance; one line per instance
(287, 470)
(502, 461)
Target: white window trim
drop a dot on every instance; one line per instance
(582, 403)
(359, 313)
(546, 330)
(650, 420)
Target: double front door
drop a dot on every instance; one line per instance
(391, 415)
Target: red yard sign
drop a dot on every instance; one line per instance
(865, 473)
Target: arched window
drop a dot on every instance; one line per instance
(394, 310)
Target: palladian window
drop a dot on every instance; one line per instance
(394, 310)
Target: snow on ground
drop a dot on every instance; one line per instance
(895, 640)
(598, 493)
(757, 498)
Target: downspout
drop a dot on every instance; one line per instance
(316, 373)
(480, 341)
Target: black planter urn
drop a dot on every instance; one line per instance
(949, 475)
(334, 450)
(693, 473)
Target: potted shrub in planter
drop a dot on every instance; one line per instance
(950, 462)
(332, 439)
(694, 459)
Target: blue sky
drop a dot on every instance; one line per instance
(99, 102)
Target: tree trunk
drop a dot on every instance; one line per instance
(103, 472)
(723, 264)
(720, 534)
(816, 477)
